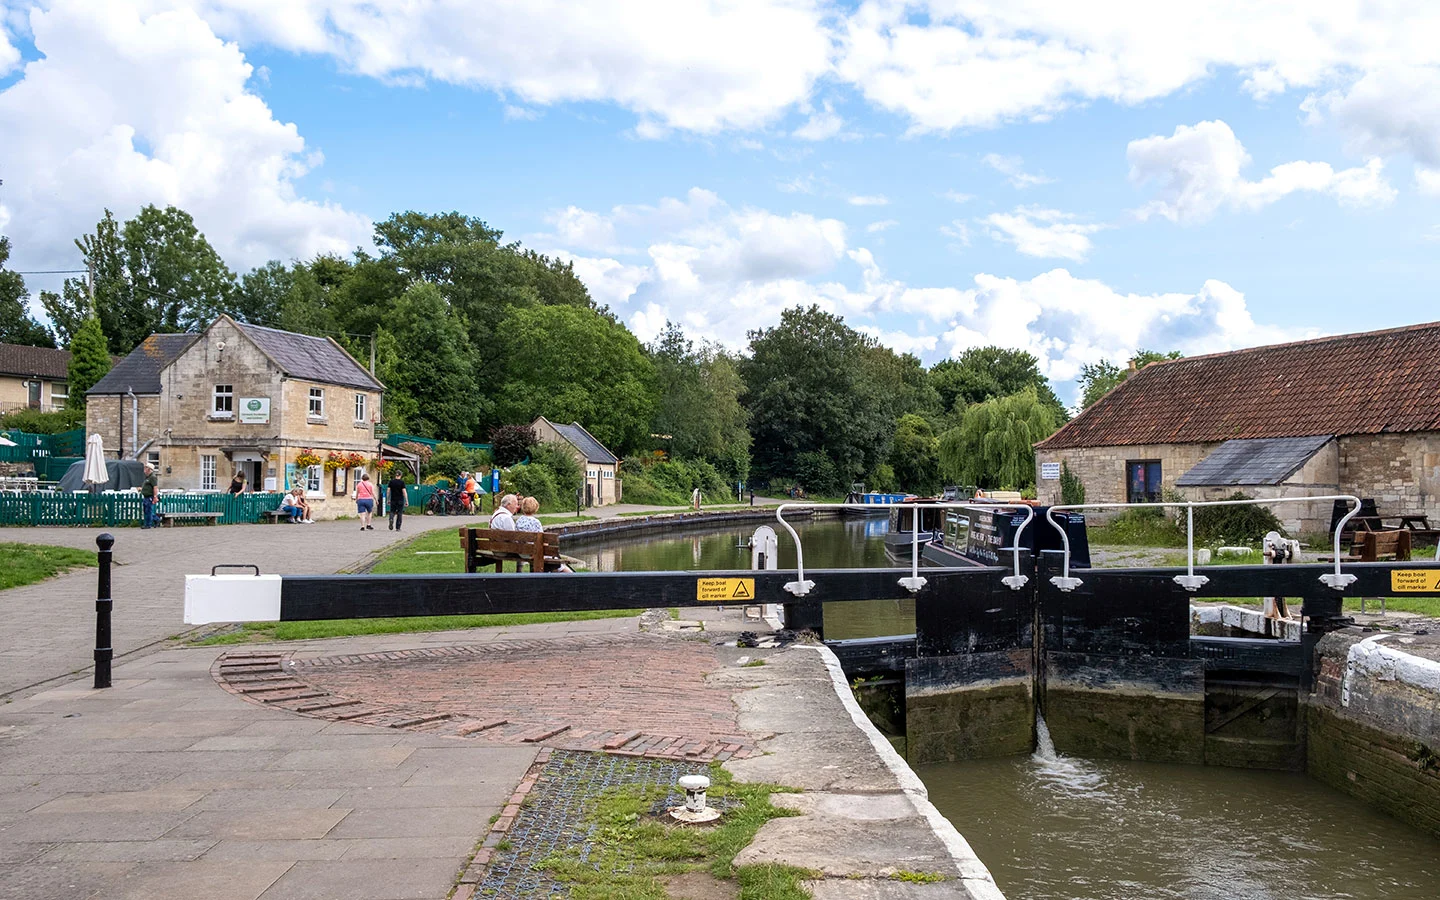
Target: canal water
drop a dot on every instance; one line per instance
(1056, 828)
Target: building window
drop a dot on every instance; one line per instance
(590, 473)
(359, 407)
(59, 394)
(313, 475)
(207, 473)
(317, 403)
(32, 397)
(1142, 481)
(224, 405)
(153, 457)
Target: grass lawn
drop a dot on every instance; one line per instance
(668, 510)
(28, 563)
(434, 552)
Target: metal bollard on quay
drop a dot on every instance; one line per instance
(103, 604)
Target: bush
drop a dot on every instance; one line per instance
(1072, 489)
(563, 468)
(1145, 527)
(451, 458)
(882, 479)
(33, 421)
(511, 444)
(817, 474)
(1234, 524)
(530, 480)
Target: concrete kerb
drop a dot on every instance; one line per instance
(974, 875)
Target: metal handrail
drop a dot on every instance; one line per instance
(1190, 581)
(914, 582)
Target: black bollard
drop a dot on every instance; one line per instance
(103, 651)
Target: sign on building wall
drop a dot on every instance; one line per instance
(1050, 471)
(254, 410)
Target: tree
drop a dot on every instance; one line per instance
(572, 364)
(1098, 379)
(985, 373)
(808, 389)
(428, 367)
(511, 444)
(993, 446)
(16, 324)
(698, 403)
(915, 455)
(89, 360)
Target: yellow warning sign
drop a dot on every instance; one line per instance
(722, 590)
(1415, 580)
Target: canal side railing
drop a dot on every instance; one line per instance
(116, 510)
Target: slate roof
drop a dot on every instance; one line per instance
(28, 362)
(585, 442)
(311, 358)
(1369, 383)
(1253, 461)
(140, 370)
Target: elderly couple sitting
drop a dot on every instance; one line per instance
(516, 514)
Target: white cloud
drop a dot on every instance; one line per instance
(869, 200)
(1198, 171)
(1389, 111)
(800, 184)
(123, 110)
(576, 227)
(958, 233)
(1427, 181)
(520, 113)
(957, 197)
(821, 125)
(901, 342)
(1046, 233)
(882, 225)
(1012, 167)
(9, 55)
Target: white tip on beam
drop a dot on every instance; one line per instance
(231, 598)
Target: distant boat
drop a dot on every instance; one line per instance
(979, 535)
(877, 501)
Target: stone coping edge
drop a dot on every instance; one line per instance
(602, 528)
(976, 878)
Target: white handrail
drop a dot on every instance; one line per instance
(914, 582)
(1191, 581)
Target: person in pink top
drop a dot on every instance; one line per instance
(365, 500)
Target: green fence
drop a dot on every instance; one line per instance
(113, 510)
(31, 447)
(395, 440)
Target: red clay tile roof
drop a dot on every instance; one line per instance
(27, 362)
(1377, 381)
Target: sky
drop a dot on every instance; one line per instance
(1079, 181)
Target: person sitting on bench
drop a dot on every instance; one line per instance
(290, 505)
(503, 518)
(527, 521)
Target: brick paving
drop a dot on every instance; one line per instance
(628, 694)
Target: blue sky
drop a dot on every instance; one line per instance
(1076, 183)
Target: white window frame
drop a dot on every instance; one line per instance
(314, 481)
(360, 404)
(153, 457)
(316, 409)
(222, 402)
(64, 392)
(208, 469)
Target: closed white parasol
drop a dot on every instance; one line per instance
(6, 442)
(95, 470)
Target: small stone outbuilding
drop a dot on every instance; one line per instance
(1350, 414)
(601, 467)
(273, 404)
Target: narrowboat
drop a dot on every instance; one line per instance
(977, 536)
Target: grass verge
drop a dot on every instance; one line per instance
(633, 851)
(28, 563)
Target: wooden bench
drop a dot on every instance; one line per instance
(168, 518)
(540, 550)
(1374, 546)
(272, 516)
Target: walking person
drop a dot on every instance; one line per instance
(147, 498)
(504, 517)
(398, 500)
(365, 501)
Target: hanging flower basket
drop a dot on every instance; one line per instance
(334, 461)
(307, 458)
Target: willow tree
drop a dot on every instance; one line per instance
(993, 446)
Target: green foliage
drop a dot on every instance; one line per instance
(563, 468)
(915, 456)
(817, 474)
(451, 458)
(1072, 489)
(511, 444)
(1234, 524)
(1142, 527)
(882, 478)
(993, 446)
(814, 386)
(531, 481)
(698, 403)
(16, 324)
(29, 563)
(33, 421)
(1098, 379)
(988, 373)
(572, 364)
(671, 482)
(430, 374)
(89, 360)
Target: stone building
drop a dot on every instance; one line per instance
(242, 398)
(33, 378)
(601, 467)
(1352, 414)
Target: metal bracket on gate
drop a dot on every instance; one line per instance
(1191, 582)
(1066, 583)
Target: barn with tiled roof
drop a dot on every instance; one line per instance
(1352, 414)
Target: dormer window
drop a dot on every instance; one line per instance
(222, 404)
